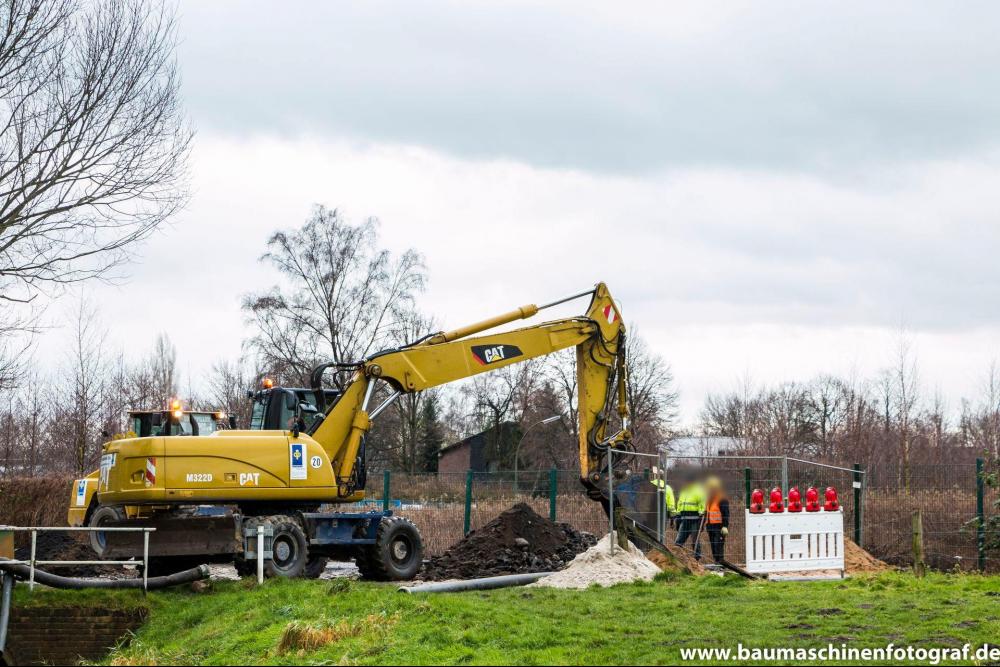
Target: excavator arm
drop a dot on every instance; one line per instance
(599, 339)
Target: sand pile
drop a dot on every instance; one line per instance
(596, 565)
(518, 541)
(857, 559)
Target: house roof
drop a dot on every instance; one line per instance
(714, 445)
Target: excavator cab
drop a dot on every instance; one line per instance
(278, 408)
(150, 423)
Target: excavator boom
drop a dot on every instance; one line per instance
(598, 337)
(324, 463)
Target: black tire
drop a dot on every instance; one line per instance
(362, 558)
(397, 554)
(289, 548)
(315, 566)
(100, 516)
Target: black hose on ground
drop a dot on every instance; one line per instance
(23, 572)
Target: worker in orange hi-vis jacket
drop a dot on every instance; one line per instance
(716, 517)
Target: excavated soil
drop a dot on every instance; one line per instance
(858, 560)
(518, 541)
(65, 546)
(682, 561)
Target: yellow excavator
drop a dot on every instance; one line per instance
(207, 495)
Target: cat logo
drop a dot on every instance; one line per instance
(249, 479)
(491, 354)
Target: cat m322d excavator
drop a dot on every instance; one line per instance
(207, 494)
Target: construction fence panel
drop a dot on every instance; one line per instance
(444, 506)
(734, 474)
(946, 495)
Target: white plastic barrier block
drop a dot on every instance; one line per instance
(794, 541)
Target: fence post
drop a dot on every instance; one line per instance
(858, 505)
(980, 515)
(784, 476)
(386, 492)
(918, 544)
(746, 484)
(468, 501)
(553, 492)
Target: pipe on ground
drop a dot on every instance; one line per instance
(55, 581)
(6, 591)
(483, 584)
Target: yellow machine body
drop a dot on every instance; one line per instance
(233, 467)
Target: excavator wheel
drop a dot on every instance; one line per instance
(315, 566)
(100, 516)
(289, 548)
(397, 554)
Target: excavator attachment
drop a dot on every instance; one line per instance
(175, 536)
(637, 496)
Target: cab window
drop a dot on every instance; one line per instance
(287, 418)
(257, 417)
(206, 423)
(182, 426)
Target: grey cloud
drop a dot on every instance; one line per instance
(817, 86)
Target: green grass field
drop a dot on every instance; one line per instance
(351, 622)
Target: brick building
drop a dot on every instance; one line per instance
(479, 452)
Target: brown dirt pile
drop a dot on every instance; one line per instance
(65, 546)
(516, 542)
(682, 561)
(858, 560)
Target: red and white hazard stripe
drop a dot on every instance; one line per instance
(151, 471)
(610, 314)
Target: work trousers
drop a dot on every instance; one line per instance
(688, 529)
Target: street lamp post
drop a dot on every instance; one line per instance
(517, 451)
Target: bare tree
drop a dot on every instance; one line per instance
(405, 439)
(228, 385)
(154, 380)
(162, 365)
(93, 145)
(906, 384)
(497, 403)
(734, 414)
(652, 398)
(77, 393)
(980, 422)
(342, 298)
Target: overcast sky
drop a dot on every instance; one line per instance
(769, 189)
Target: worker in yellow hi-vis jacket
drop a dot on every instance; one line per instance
(670, 502)
(690, 513)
